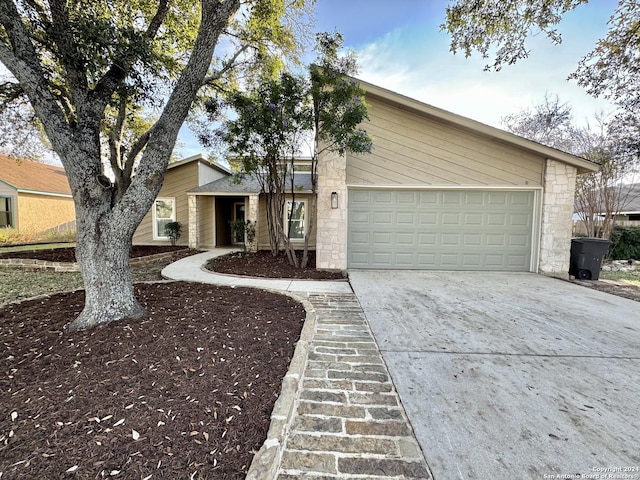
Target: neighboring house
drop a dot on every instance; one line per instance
(172, 204)
(34, 197)
(439, 191)
(629, 215)
(630, 211)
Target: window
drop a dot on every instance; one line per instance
(6, 217)
(164, 211)
(296, 212)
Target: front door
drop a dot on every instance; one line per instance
(238, 219)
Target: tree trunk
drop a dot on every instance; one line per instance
(273, 214)
(102, 252)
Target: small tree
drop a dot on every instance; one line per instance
(275, 118)
(601, 195)
(267, 135)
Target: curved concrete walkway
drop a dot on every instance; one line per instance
(338, 414)
(190, 269)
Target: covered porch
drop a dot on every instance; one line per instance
(212, 216)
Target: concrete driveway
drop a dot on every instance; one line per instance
(510, 375)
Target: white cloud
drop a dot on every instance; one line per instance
(418, 64)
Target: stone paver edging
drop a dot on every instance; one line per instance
(339, 415)
(266, 462)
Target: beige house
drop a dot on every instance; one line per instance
(231, 200)
(34, 197)
(439, 191)
(172, 204)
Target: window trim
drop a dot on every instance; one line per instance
(305, 224)
(156, 234)
(11, 211)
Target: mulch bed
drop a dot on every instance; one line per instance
(264, 264)
(185, 393)
(69, 254)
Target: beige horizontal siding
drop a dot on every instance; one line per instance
(410, 149)
(205, 221)
(262, 229)
(176, 183)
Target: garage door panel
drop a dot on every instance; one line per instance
(382, 198)
(406, 218)
(472, 240)
(450, 218)
(519, 219)
(407, 198)
(359, 197)
(454, 230)
(427, 218)
(359, 217)
(405, 239)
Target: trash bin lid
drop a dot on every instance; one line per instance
(590, 240)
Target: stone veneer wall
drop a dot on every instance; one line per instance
(557, 212)
(252, 213)
(193, 221)
(331, 227)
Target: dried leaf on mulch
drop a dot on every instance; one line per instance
(185, 393)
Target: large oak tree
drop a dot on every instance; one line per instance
(86, 67)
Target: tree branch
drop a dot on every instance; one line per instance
(22, 60)
(228, 65)
(162, 136)
(70, 57)
(121, 67)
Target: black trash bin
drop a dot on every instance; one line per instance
(586, 257)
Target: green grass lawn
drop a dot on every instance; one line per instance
(628, 277)
(36, 246)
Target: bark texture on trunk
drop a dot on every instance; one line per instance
(107, 280)
(103, 244)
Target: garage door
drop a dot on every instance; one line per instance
(440, 229)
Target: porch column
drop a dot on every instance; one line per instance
(331, 230)
(251, 213)
(193, 221)
(557, 212)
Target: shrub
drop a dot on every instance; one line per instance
(11, 236)
(626, 243)
(174, 231)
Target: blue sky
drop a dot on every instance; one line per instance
(400, 47)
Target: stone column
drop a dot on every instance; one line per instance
(331, 225)
(193, 221)
(252, 205)
(557, 213)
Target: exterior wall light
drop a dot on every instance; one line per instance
(334, 199)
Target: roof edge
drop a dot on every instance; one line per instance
(201, 159)
(42, 192)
